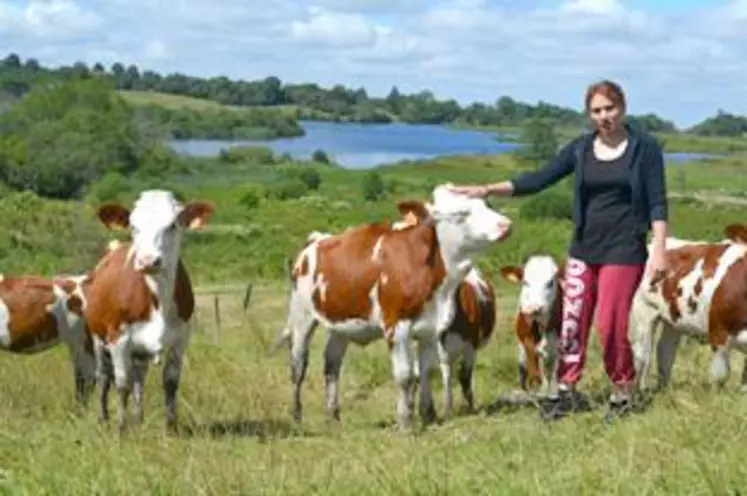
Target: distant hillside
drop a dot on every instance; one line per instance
(306, 100)
(312, 102)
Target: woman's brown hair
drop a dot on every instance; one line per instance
(607, 88)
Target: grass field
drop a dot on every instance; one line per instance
(237, 437)
(179, 101)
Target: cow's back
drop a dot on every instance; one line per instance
(705, 281)
(412, 270)
(340, 272)
(30, 319)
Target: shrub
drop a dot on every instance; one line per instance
(321, 157)
(310, 177)
(247, 154)
(548, 205)
(373, 186)
(250, 198)
(288, 189)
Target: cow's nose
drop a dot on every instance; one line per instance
(533, 310)
(151, 262)
(505, 227)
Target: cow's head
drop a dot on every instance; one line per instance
(156, 224)
(466, 225)
(541, 280)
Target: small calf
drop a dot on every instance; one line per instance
(538, 319)
(37, 313)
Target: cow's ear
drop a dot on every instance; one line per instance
(736, 233)
(414, 209)
(114, 216)
(196, 214)
(512, 273)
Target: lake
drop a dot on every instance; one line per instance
(362, 146)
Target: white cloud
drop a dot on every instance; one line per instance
(683, 65)
(49, 20)
(156, 49)
(337, 29)
(595, 7)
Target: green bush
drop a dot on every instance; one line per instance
(251, 198)
(321, 157)
(373, 186)
(113, 187)
(247, 154)
(310, 177)
(288, 189)
(551, 204)
(60, 138)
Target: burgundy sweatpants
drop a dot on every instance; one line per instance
(609, 289)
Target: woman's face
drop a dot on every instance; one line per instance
(606, 114)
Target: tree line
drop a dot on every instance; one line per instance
(338, 103)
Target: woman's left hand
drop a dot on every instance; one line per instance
(658, 265)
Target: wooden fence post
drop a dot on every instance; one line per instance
(216, 308)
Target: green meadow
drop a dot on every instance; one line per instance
(236, 434)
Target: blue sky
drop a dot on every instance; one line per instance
(683, 59)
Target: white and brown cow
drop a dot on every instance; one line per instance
(378, 280)
(139, 299)
(37, 313)
(704, 296)
(469, 332)
(537, 320)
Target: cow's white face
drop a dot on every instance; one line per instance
(156, 223)
(468, 224)
(540, 279)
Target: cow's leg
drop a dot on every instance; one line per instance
(104, 375)
(401, 358)
(741, 345)
(549, 354)
(122, 363)
(666, 352)
(139, 373)
(334, 353)
(466, 373)
(84, 371)
(426, 357)
(172, 372)
(300, 338)
(719, 369)
(449, 346)
(643, 322)
(521, 358)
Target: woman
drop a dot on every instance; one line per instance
(619, 196)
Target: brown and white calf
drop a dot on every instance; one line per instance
(139, 299)
(704, 296)
(538, 319)
(377, 280)
(37, 313)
